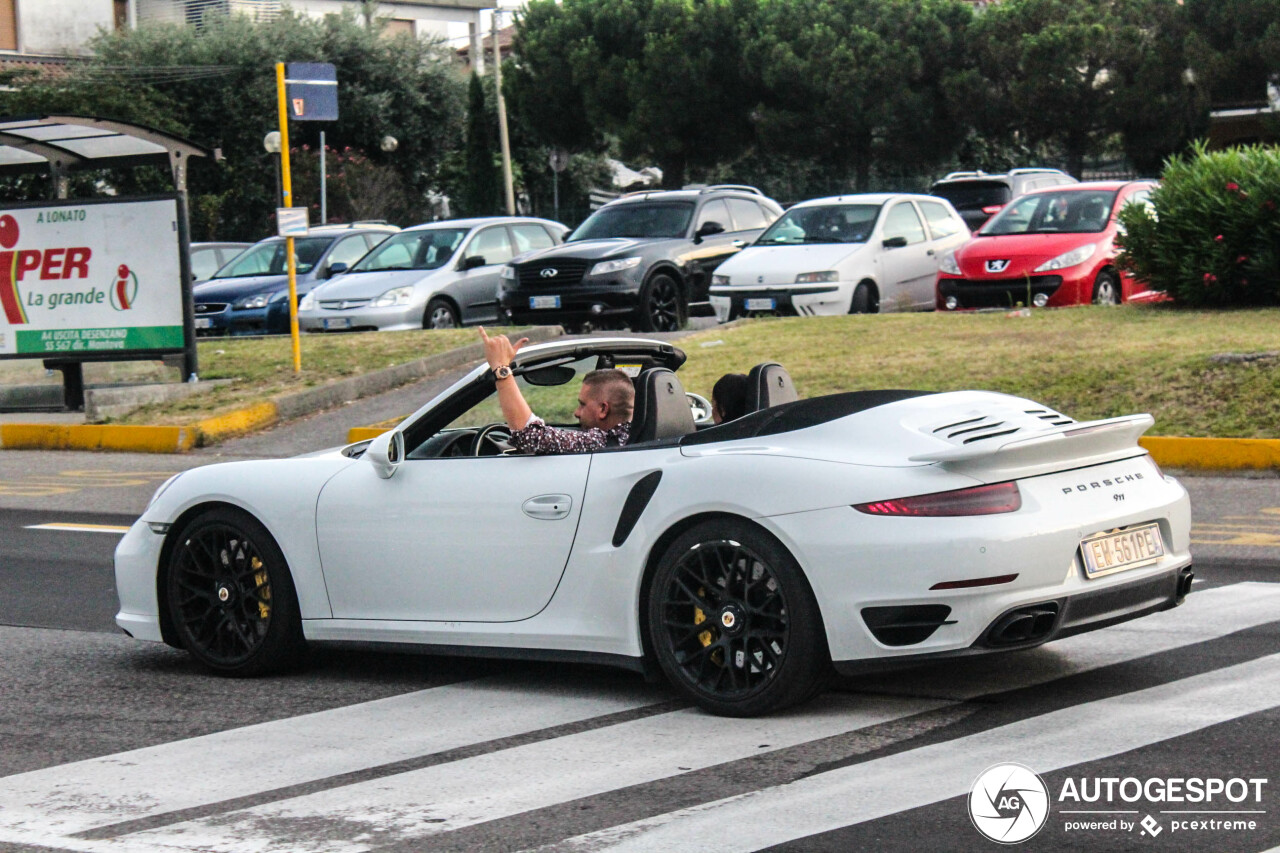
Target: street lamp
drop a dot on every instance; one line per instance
(271, 143)
(389, 143)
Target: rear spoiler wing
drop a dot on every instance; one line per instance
(1074, 445)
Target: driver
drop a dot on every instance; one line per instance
(605, 403)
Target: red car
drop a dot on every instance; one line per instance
(1050, 247)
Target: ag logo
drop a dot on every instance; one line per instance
(1008, 803)
(124, 288)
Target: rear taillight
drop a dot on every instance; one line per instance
(992, 208)
(980, 500)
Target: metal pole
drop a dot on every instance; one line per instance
(324, 200)
(555, 193)
(502, 121)
(287, 201)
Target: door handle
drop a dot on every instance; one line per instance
(739, 243)
(930, 252)
(548, 507)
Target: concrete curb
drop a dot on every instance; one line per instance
(178, 439)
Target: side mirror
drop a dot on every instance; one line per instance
(338, 268)
(707, 229)
(895, 243)
(385, 453)
(470, 262)
(700, 407)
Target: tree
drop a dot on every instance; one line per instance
(481, 187)
(855, 84)
(216, 86)
(1236, 47)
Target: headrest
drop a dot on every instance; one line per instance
(662, 409)
(769, 385)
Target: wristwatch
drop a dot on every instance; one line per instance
(502, 372)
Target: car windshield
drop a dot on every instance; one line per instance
(267, 258)
(1067, 212)
(669, 219)
(974, 195)
(824, 223)
(428, 249)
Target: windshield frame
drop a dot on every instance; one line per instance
(580, 234)
(364, 264)
(786, 219)
(1067, 200)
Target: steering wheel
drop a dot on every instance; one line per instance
(491, 434)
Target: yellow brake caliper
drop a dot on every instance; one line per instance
(264, 589)
(705, 637)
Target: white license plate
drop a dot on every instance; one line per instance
(761, 304)
(204, 323)
(337, 323)
(1128, 549)
(544, 301)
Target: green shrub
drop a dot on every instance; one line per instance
(1214, 235)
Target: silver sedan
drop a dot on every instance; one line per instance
(437, 276)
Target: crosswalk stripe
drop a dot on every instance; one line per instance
(930, 774)
(447, 797)
(76, 797)
(110, 801)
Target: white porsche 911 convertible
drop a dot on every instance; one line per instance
(861, 530)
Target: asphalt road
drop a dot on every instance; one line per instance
(114, 745)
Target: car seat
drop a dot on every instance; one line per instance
(769, 385)
(662, 409)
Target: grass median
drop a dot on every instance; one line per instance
(1085, 362)
(260, 369)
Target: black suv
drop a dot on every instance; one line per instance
(644, 259)
(976, 196)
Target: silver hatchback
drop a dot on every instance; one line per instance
(437, 276)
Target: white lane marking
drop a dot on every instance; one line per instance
(896, 783)
(438, 799)
(1205, 615)
(79, 528)
(450, 796)
(240, 762)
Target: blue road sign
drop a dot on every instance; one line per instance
(312, 91)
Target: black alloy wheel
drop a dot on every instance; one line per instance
(661, 307)
(440, 314)
(230, 597)
(1106, 289)
(864, 300)
(733, 622)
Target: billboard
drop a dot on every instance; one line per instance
(91, 280)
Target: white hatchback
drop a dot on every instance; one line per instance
(848, 254)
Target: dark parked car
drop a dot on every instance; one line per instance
(643, 259)
(977, 196)
(249, 296)
(207, 258)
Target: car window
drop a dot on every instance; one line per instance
(427, 249)
(903, 221)
(974, 195)
(204, 263)
(530, 237)
(267, 258)
(658, 220)
(747, 215)
(1061, 212)
(942, 222)
(493, 245)
(714, 211)
(350, 250)
(822, 223)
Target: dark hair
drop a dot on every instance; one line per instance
(618, 390)
(730, 395)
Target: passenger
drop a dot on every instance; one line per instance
(605, 404)
(729, 397)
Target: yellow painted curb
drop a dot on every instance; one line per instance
(364, 433)
(217, 428)
(137, 439)
(1213, 453)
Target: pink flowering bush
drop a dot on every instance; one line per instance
(1214, 235)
